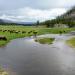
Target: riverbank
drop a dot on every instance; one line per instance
(71, 42)
(3, 72)
(13, 32)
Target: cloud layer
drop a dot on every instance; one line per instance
(32, 10)
(37, 4)
(29, 14)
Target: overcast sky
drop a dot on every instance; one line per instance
(33, 10)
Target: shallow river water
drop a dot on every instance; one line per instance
(24, 56)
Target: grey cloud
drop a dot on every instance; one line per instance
(29, 14)
(11, 8)
(38, 4)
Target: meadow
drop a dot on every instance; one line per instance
(13, 32)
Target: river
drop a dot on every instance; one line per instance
(24, 56)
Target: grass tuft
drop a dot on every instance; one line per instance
(45, 40)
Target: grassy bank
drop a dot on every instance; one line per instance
(3, 72)
(45, 40)
(71, 42)
(23, 31)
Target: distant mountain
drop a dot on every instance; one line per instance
(7, 21)
(4, 21)
(1, 21)
(25, 23)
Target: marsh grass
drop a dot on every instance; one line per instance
(45, 40)
(71, 42)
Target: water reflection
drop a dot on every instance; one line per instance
(26, 57)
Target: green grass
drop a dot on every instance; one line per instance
(2, 43)
(40, 30)
(45, 40)
(71, 42)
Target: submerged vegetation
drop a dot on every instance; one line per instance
(71, 42)
(45, 40)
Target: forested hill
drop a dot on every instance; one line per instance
(68, 18)
(69, 15)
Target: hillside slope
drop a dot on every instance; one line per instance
(68, 19)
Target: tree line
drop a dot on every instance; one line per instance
(66, 19)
